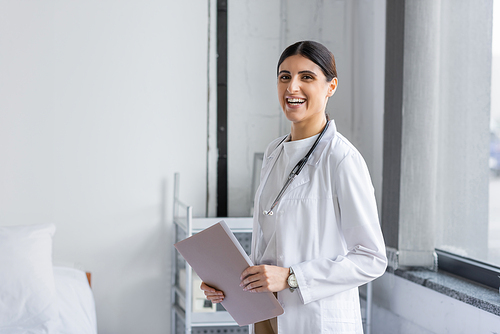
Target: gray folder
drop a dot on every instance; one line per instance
(218, 258)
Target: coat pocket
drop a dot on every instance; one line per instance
(340, 314)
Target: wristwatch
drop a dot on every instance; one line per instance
(292, 281)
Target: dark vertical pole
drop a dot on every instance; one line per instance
(222, 108)
(393, 120)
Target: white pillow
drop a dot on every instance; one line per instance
(27, 290)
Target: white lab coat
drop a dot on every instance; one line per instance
(328, 231)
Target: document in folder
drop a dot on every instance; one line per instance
(218, 258)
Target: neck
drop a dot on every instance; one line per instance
(304, 130)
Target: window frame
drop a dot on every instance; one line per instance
(470, 269)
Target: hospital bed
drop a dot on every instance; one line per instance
(37, 297)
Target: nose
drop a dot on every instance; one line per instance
(293, 85)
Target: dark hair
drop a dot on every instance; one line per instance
(315, 52)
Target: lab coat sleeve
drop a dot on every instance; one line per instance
(365, 258)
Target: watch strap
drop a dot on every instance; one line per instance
(292, 288)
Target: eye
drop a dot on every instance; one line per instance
(284, 77)
(307, 77)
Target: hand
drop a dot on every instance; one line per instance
(215, 296)
(264, 278)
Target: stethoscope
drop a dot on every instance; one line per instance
(296, 171)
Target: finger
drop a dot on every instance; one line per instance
(258, 289)
(213, 298)
(209, 291)
(214, 294)
(254, 285)
(251, 288)
(205, 287)
(212, 291)
(250, 279)
(250, 271)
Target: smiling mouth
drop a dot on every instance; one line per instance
(295, 102)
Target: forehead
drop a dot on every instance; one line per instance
(298, 63)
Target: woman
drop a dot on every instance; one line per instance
(321, 240)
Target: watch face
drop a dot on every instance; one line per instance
(292, 281)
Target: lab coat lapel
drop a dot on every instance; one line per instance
(300, 179)
(305, 175)
(266, 170)
(323, 144)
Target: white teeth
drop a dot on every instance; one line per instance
(296, 100)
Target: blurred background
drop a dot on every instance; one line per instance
(101, 102)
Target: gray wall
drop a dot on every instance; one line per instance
(258, 32)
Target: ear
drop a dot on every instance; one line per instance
(332, 87)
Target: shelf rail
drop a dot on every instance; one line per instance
(185, 223)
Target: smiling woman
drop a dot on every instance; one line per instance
(321, 239)
(303, 92)
(307, 77)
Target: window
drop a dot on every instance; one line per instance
(439, 189)
(469, 149)
(494, 144)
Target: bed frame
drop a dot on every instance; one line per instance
(89, 277)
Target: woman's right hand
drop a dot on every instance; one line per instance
(215, 296)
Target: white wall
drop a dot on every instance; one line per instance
(100, 103)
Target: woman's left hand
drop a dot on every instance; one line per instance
(264, 278)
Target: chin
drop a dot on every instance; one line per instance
(293, 118)
(294, 115)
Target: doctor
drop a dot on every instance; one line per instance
(316, 238)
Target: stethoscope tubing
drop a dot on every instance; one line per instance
(296, 171)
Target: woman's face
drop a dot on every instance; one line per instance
(303, 90)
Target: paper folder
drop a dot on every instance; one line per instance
(218, 258)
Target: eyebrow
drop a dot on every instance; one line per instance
(301, 72)
(307, 71)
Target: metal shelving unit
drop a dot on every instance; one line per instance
(190, 314)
